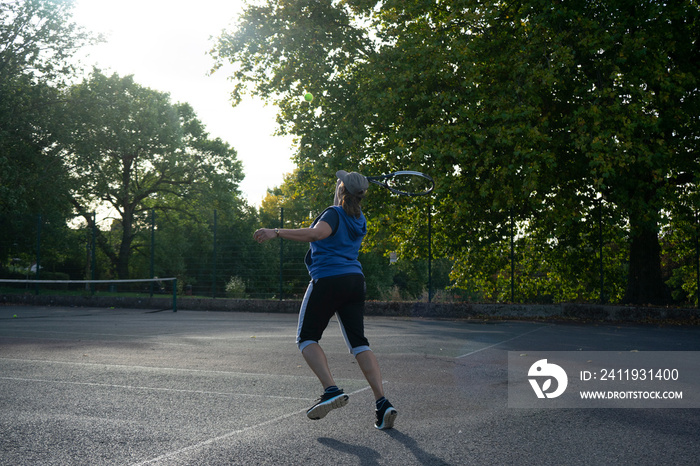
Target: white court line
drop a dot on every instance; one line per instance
(159, 389)
(501, 342)
(154, 368)
(230, 434)
(183, 339)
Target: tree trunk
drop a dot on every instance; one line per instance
(125, 246)
(644, 282)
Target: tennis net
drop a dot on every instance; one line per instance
(138, 288)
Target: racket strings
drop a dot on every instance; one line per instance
(410, 184)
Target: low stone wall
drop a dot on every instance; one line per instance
(564, 311)
(574, 312)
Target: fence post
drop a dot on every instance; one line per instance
(38, 254)
(600, 249)
(697, 261)
(512, 257)
(213, 278)
(153, 246)
(281, 253)
(430, 253)
(93, 253)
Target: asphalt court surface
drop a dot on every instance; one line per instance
(117, 387)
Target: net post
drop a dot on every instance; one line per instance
(174, 294)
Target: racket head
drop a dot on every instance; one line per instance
(405, 183)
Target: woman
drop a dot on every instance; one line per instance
(337, 287)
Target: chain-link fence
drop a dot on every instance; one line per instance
(210, 258)
(215, 256)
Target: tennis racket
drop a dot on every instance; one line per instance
(405, 183)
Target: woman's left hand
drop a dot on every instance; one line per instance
(264, 234)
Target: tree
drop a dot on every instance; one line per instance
(609, 91)
(533, 112)
(131, 148)
(37, 39)
(281, 49)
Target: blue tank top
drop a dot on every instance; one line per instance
(337, 254)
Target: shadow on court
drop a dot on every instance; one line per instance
(365, 456)
(116, 386)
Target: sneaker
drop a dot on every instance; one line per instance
(327, 403)
(386, 415)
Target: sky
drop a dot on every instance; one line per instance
(164, 44)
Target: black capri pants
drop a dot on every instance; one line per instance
(343, 295)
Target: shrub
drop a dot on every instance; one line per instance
(235, 288)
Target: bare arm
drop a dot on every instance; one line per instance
(320, 231)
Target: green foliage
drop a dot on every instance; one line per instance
(37, 39)
(567, 128)
(288, 207)
(530, 109)
(235, 288)
(681, 247)
(130, 147)
(108, 143)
